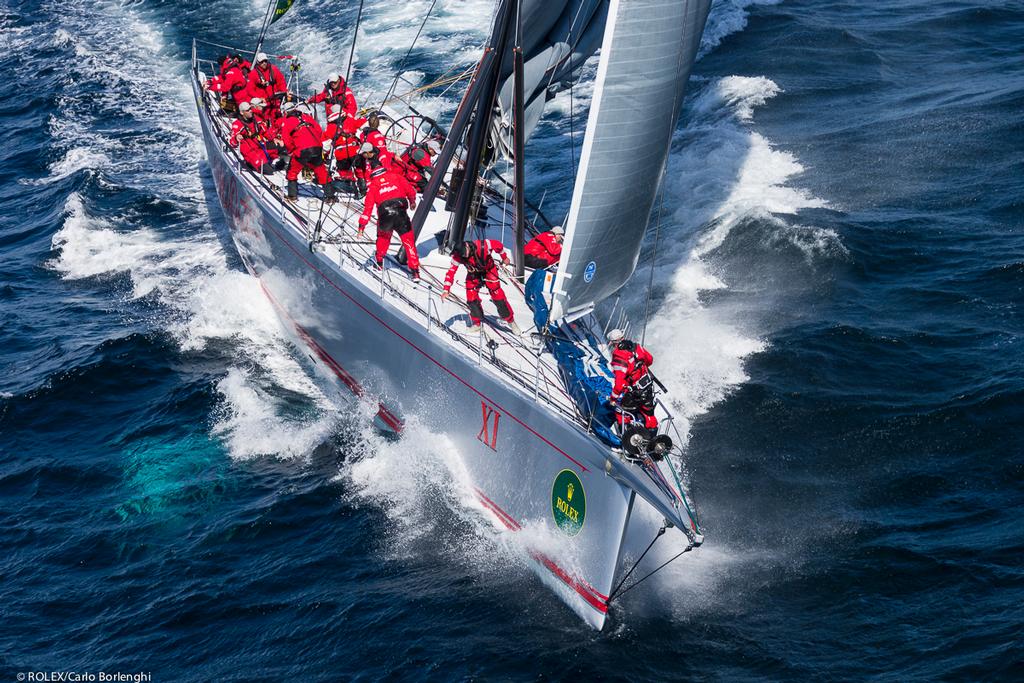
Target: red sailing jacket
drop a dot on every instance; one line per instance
(344, 140)
(544, 247)
(300, 132)
(253, 129)
(273, 80)
(231, 83)
(480, 265)
(629, 362)
(342, 95)
(228, 62)
(375, 138)
(391, 185)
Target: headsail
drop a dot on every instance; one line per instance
(648, 49)
(558, 37)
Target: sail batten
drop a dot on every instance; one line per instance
(648, 49)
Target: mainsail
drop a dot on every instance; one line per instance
(646, 55)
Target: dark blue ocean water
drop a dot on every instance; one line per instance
(838, 289)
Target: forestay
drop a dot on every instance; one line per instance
(646, 55)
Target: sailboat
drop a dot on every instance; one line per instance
(527, 412)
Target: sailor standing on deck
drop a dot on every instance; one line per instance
(633, 391)
(545, 249)
(267, 81)
(336, 91)
(393, 197)
(476, 255)
(302, 138)
(341, 138)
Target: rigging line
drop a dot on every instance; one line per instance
(266, 25)
(687, 549)
(352, 50)
(661, 207)
(636, 564)
(401, 65)
(654, 258)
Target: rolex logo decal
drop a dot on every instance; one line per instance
(568, 502)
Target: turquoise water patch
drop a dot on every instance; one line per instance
(173, 474)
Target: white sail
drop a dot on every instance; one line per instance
(646, 55)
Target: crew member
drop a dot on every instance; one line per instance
(302, 138)
(545, 249)
(371, 133)
(481, 270)
(232, 88)
(336, 91)
(393, 197)
(416, 161)
(235, 60)
(375, 157)
(267, 81)
(341, 138)
(248, 134)
(633, 391)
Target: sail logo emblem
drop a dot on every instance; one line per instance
(488, 433)
(588, 273)
(568, 502)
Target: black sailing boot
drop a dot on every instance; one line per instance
(293, 190)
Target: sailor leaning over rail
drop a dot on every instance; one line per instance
(481, 269)
(392, 196)
(633, 391)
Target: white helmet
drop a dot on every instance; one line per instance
(367, 147)
(261, 57)
(333, 76)
(245, 107)
(287, 106)
(615, 336)
(557, 230)
(258, 102)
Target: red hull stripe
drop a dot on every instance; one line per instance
(594, 598)
(426, 355)
(389, 418)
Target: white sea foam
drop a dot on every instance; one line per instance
(206, 304)
(727, 17)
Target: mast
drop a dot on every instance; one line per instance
(478, 131)
(477, 103)
(517, 141)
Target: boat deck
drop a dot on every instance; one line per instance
(520, 358)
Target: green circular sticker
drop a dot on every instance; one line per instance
(568, 502)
